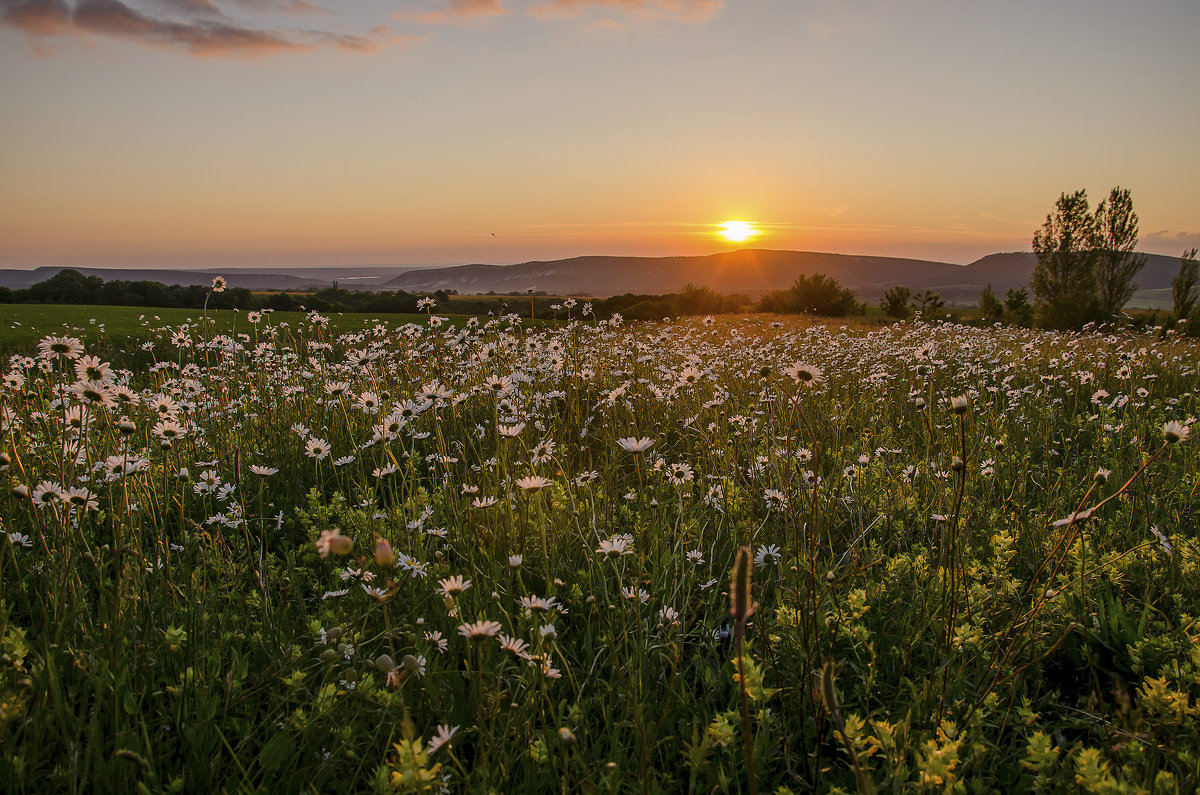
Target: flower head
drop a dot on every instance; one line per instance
(533, 482)
(803, 373)
(452, 586)
(66, 347)
(441, 737)
(479, 629)
(1175, 432)
(316, 448)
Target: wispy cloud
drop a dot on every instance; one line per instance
(677, 10)
(290, 6)
(209, 28)
(614, 14)
(455, 11)
(198, 27)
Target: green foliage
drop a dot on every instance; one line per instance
(1086, 262)
(1117, 260)
(895, 302)
(927, 302)
(1017, 307)
(903, 516)
(817, 294)
(989, 306)
(1184, 291)
(1064, 280)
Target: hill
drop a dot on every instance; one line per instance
(753, 272)
(749, 271)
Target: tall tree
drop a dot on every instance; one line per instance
(1017, 307)
(1064, 280)
(1183, 288)
(1117, 262)
(989, 305)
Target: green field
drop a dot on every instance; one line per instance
(25, 324)
(381, 555)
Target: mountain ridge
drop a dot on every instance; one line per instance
(756, 271)
(748, 271)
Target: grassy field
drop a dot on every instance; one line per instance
(116, 327)
(722, 555)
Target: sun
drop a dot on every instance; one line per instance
(737, 231)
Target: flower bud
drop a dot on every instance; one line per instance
(384, 555)
(740, 606)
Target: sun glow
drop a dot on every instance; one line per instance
(737, 231)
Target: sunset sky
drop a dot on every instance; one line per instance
(241, 133)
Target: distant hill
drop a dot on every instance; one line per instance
(749, 271)
(753, 272)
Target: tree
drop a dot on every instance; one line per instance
(68, 286)
(698, 300)
(814, 295)
(895, 302)
(927, 302)
(1183, 288)
(1117, 262)
(989, 305)
(1017, 306)
(1064, 279)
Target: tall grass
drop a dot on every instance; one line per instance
(420, 557)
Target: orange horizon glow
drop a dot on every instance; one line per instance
(738, 231)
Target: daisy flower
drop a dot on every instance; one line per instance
(533, 482)
(452, 586)
(444, 733)
(316, 448)
(1175, 432)
(479, 629)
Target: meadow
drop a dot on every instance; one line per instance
(740, 554)
(116, 330)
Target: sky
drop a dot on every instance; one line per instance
(244, 133)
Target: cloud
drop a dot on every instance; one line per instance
(460, 11)
(1164, 238)
(290, 6)
(199, 27)
(677, 10)
(197, 8)
(36, 17)
(456, 11)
